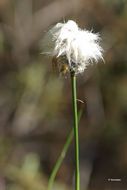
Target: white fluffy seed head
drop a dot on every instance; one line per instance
(80, 47)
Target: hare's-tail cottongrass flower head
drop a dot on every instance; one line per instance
(72, 47)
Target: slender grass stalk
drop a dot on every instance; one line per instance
(62, 155)
(76, 136)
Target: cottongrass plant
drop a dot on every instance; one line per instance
(72, 50)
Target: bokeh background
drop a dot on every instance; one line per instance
(35, 102)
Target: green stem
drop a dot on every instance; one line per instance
(62, 155)
(76, 136)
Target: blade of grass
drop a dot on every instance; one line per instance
(62, 155)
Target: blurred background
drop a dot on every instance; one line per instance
(35, 102)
